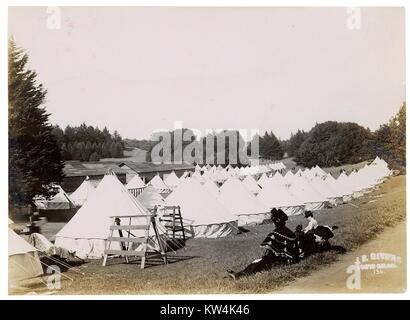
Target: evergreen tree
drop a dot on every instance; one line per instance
(119, 151)
(34, 155)
(69, 134)
(295, 142)
(94, 156)
(87, 150)
(112, 150)
(332, 143)
(79, 151)
(65, 153)
(270, 147)
(58, 135)
(106, 135)
(105, 151)
(390, 139)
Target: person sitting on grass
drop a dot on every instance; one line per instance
(312, 222)
(281, 248)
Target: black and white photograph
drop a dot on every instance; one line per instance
(218, 150)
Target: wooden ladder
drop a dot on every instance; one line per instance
(126, 243)
(173, 221)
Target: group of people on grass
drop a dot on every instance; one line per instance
(283, 246)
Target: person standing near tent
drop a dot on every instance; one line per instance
(281, 245)
(312, 225)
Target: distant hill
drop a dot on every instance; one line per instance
(130, 154)
(139, 144)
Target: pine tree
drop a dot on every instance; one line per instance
(94, 156)
(34, 155)
(65, 153)
(105, 152)
(112, 150)
(88, 150)
(79, 151)
(106, 134)
(119, 150)
(270, 147)
(295, 142)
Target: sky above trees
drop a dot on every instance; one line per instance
(136, 70)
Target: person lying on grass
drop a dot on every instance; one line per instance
(316, 240)
(282, 247)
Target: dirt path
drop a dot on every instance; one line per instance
(334, 278)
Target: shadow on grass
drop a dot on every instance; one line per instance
(338, 249)
(63, 264)
(150, 261)
(243, 230)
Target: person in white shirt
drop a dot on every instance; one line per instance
(312, 222)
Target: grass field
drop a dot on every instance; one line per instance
(203, 267)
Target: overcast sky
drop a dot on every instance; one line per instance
(140, 69)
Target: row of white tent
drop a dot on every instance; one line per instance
(211, 211)
(217, 174)
(63, 201)
(220, 173)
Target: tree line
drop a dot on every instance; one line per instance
(214, 148)
(327, 144)
(270, 147)
(334, 143)
(86, 143)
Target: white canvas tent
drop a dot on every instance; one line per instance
(86, 233)
(136, 183)
(207, 175)
(327, 190)
(197, 176)
(304, 191)
(277, 196)
(318, 171)
(81, 194)
(211, 187)
(220, 176)
(240, 202)
(263, 180)
(24, 262)
(279, 179)
(343, 187)
(172, 180)
(158, 184)
(288, 177)
(243, 171)
(184, 175)
(151, 198)
(300, 172)
(60, 201)
(202, 214)
(251, 185)
(366, 179)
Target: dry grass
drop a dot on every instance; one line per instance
(204, 270)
